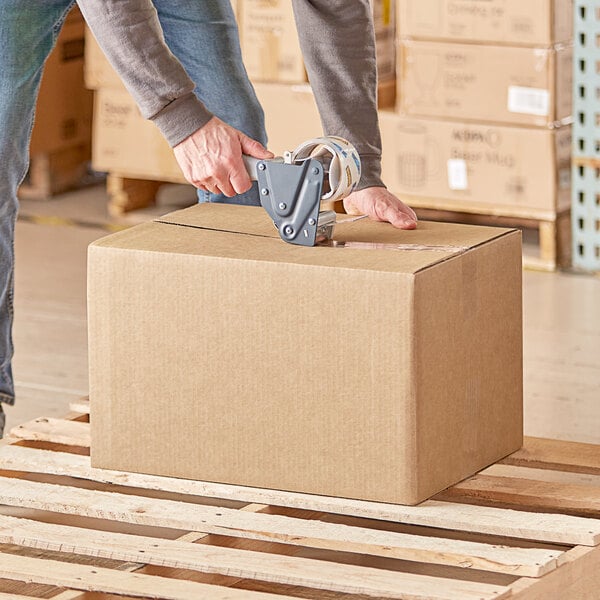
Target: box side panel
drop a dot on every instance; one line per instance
(64, 117)
(124, 142)
(480, 167)
(260, 374)
(497, 84)
(469, 363)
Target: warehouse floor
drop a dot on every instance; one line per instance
(562, 322)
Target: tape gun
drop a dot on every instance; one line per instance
(292, 187)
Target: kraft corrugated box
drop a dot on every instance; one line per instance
(64, 115)
(477, 167)
(124, 142)
(496, 84)
(385, 368)
(517, 22)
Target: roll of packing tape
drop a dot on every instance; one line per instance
(340, 161)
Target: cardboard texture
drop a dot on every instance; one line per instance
(126, 143)
(457, 165)
(98, 71)
(271, 48)
(220, 353)
(384, 21)
(270, 44)
(64, 115)
(498, 84)
(518, 22)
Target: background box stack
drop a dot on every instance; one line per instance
(482, 123)
(136, 156)
(273, 58)
(61, 138)
(125, 145)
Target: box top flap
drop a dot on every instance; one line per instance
(242, 232)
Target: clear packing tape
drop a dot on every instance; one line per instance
(452, 249)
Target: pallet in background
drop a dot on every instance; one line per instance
(549, 249)
(128, 193)
(526, 528)
(56, 172)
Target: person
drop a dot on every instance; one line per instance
(182, 63)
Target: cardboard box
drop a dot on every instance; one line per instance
(126, 143)
(220, 353)
(270, 44)
(518, 22)
(456, 165)
(280, 101)
(521, 86)
(99, 72)
(291, 114)
(64, 110)
(384, 20)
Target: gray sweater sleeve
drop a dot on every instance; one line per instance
(129, 33)
(338, 44)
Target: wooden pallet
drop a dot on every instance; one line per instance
(55, 172)
(551, 249)
(127, 193)
(525, 528)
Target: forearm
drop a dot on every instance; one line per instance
(129, 33)
(338, 44)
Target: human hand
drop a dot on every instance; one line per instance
(381, 205)
(211, 158)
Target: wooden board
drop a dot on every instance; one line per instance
(526, 528)
(553, 246)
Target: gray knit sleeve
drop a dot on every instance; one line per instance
(338, 43)
(129, 33)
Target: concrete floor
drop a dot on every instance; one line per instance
(561, 316)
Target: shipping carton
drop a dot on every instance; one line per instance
(386, 368)
(384, 20)
(279, 101)
(98, 71)
(518, 22)
(457, 165)
(500, 84)
(270, 44)
(126, 143)
(64, 115)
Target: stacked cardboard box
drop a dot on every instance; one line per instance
(483, 107)
(64, 115)
(271, 47)
(61, 137)
(125, 143)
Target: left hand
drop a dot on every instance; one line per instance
(381, 205)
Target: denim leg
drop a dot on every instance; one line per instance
(203, 35)
(28, 31)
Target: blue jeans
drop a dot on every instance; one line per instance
(201, 33)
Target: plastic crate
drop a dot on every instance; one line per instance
(586, 136)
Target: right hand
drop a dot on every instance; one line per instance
(211, 158)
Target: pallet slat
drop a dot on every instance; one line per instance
(81, 406)
(552, 528)
(549, 475)
(230, 562)
(110, 581)
(58, 431)
(567, 498)
(275, 528)
(556, 454)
